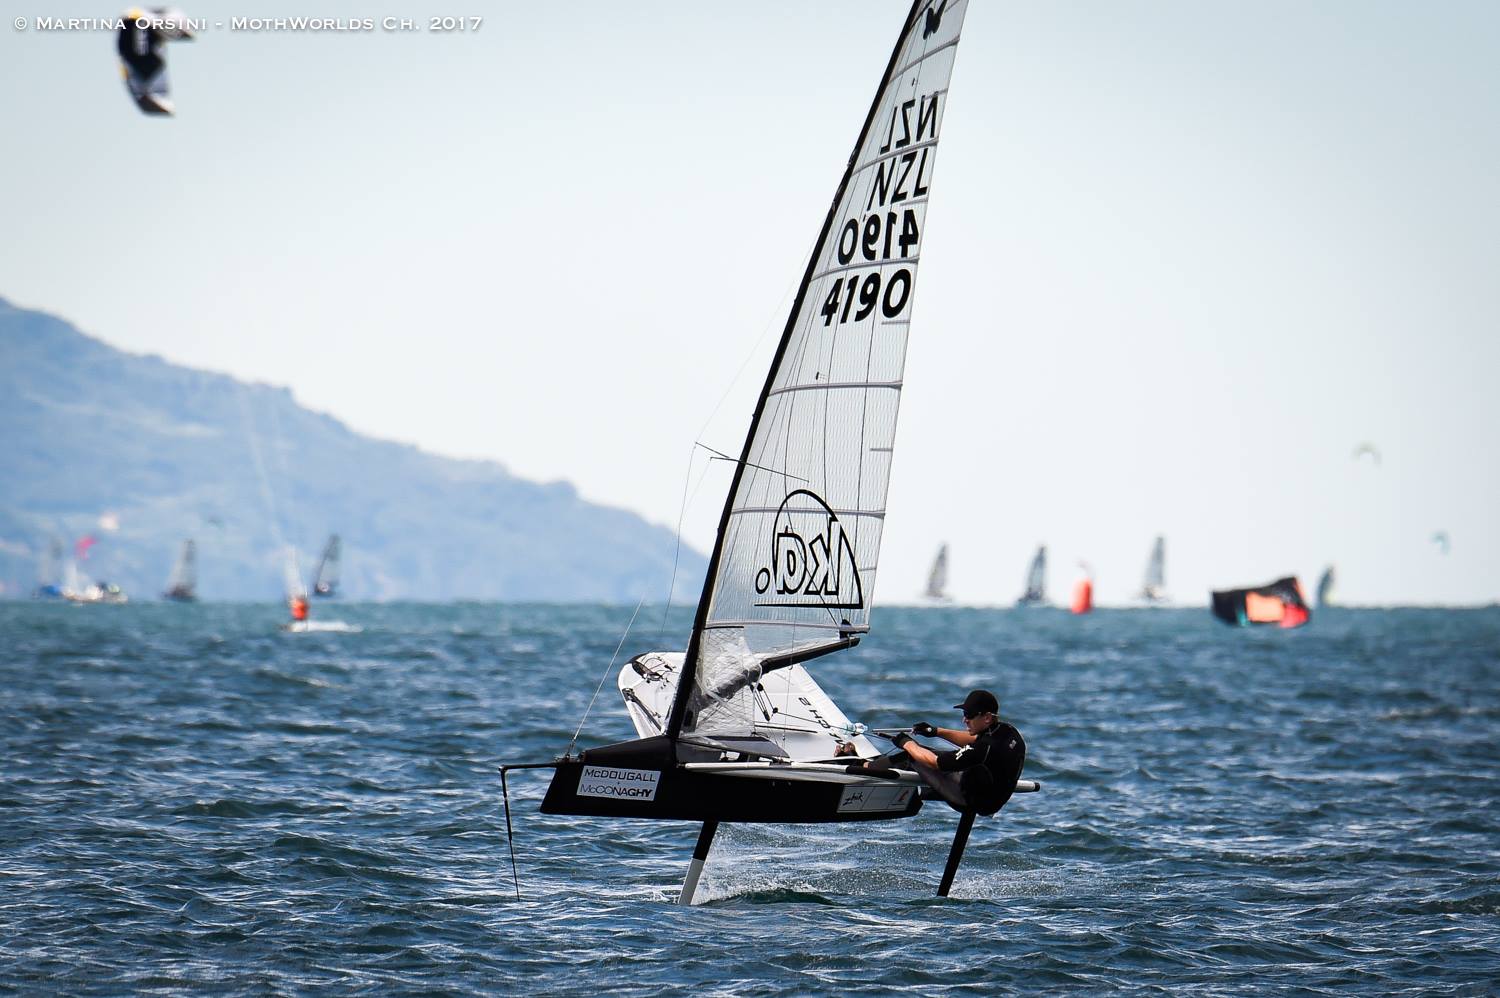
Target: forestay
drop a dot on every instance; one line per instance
(793, 571)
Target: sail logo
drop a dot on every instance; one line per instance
(812, 560)
(617, 783)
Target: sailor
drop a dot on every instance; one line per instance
(299, 607)
(980, 775)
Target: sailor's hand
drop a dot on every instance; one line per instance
(924, 729)
(900, 739)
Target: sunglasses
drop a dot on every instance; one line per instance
(981, 713)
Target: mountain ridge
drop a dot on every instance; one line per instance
(170, 452)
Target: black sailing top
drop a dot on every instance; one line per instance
(988, 767)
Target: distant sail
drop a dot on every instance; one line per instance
(49, 571)
(1036, 580)
(1281, 602)
(1153, 588)
(183, 585)
(326, 581)
(292, 574)
(937, 582)
(140, 41)
(1440, 538)
(296, 592)
(1325, 588)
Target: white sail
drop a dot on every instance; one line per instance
(183, 583)
(292, 575)
(1153, 587)
(1036, 580)
(326, 580)
(793, 570)
(1325, 587)
(937, 582)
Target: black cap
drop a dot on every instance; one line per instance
(979, 702)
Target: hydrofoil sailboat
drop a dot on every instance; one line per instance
(735, 729)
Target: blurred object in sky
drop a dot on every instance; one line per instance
(82, 545)
(1440, 538)
(142, 62)
(109, 521)
(1367, 449)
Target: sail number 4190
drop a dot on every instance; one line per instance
(867, 289)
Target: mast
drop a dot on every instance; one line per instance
(687, 679)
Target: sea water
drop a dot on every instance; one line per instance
(194, 802)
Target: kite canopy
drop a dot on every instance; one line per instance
(1281, 602)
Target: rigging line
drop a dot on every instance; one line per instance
(749, 464)
(602, 678)
(260, 468)
(851, 728)
(771, 324)
(677, 546)
(666, 609)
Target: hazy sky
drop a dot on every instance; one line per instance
(1182, 259)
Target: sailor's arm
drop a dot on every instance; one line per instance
(920, 753)
(959, 738)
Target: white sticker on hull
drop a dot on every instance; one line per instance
(875, 799)
(620, 784)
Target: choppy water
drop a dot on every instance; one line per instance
(193, 802)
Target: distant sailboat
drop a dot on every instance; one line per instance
(49, 572)
(182, 587)
(937, 579)
(79, 588)
(297, 603)
(1325, 588)
(1153, 588)
(1036, 581)
(296, 592)
(735, 728)
(1280, 602)
(326, 581)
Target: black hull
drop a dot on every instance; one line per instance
(676, 794)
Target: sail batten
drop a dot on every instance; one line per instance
(735, 625)
(798, 546)
(832, 385)
(887, 157)
(863, 264)
(878, 514)
(928, 55)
